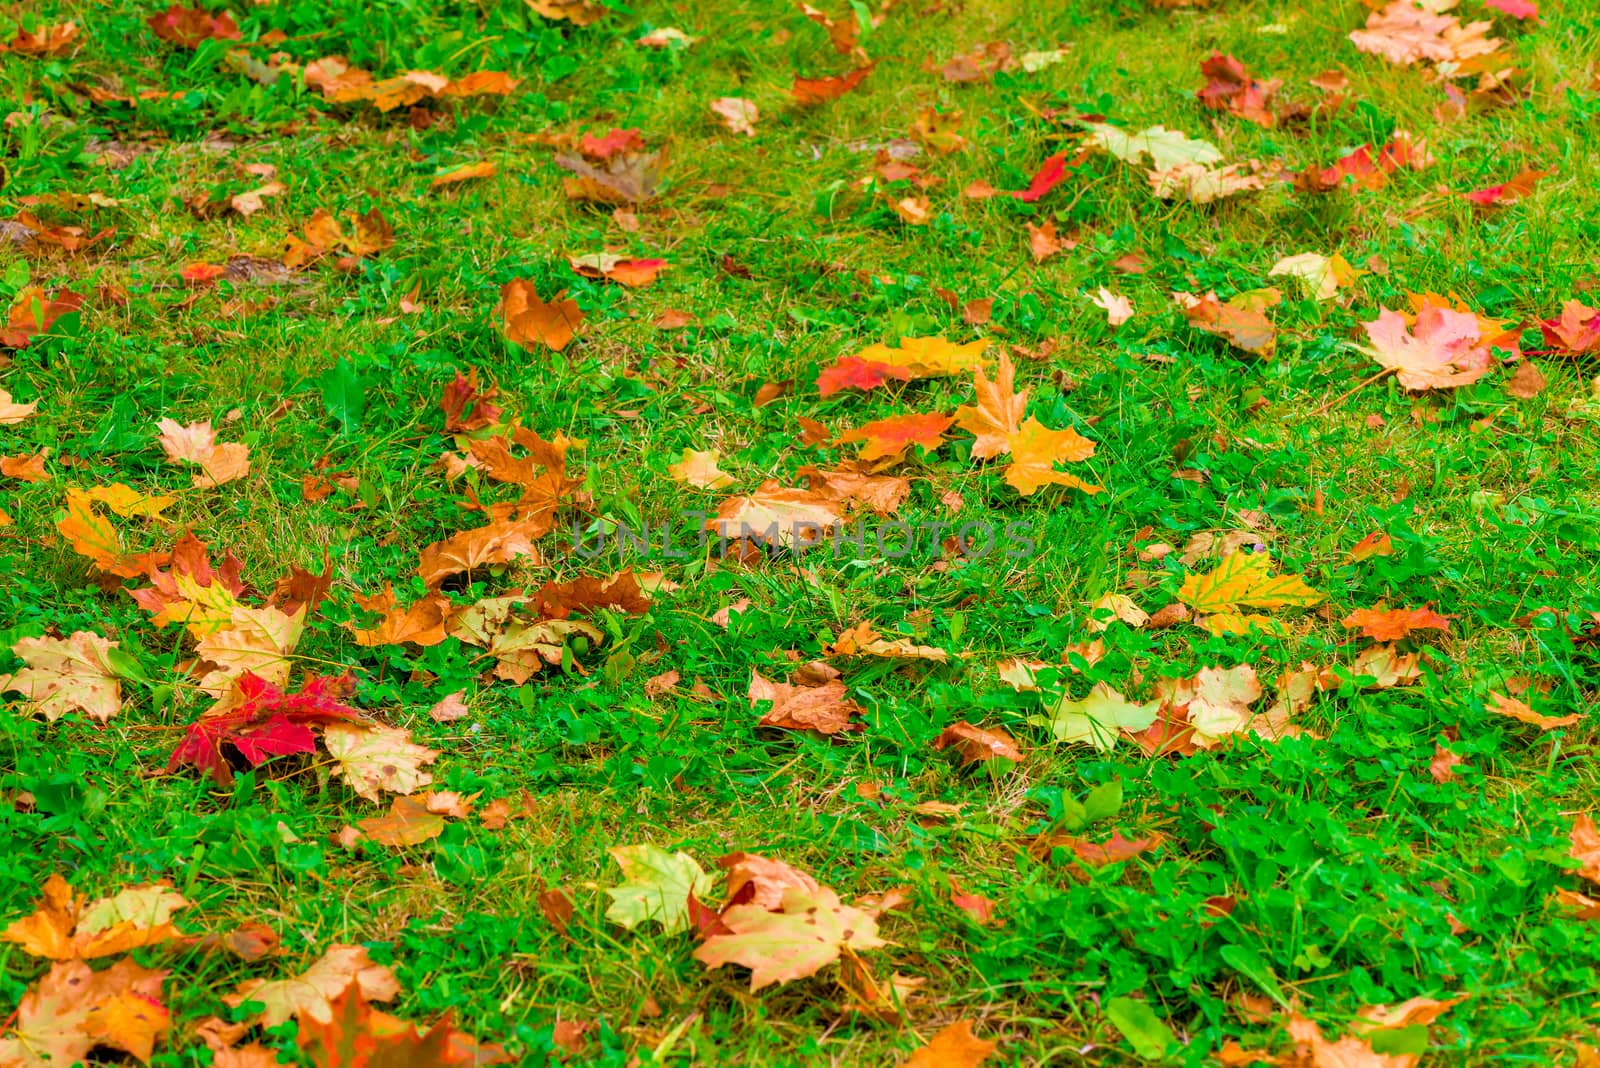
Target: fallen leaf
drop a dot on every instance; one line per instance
(309, 994)
(1246, 579)
(886, 438)
(1239, 321)
(809, 92)
(1503, 705)
(1395, 623)
(1118, 309)
(656, 886)
(529, 319)
(1444, 350)
(64, 675)
(954, 1047)
(373, 759)
(737, 114)
(810, 932)
(1035, 450)
(699, 469)
(825, 709)
(997, 415)
(1099, 719)
(409, 822)
(977, 744)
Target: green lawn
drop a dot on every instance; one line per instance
(1104, 899)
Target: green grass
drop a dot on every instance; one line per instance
(1346, 857)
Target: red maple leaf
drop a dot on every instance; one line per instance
(852, 372)
(1051, 174)
(259, 721)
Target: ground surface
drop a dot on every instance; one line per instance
(1323, 858)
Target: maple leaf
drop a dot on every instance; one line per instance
(1576, 331)
(187, 27)
(410, 821)
(936, 130)
(197, 444)
(656, 886)
(627, 178)
(917, 357)
(884, 494)
(467, 406)
(309, 995)
(423, 622)
(192, 592)
(1503, 705)
(64, 928)
(64, 675)
(1035, 450)
(1051, 173)
(1323, 276)
(577, 12)
(1199, 184)
(25, 468)
(954, 1047)
(529, 319)
(975, 745)
(357, 1036)
(809, 92)
(480, 547)
(761, 881)
(1240, 321)
(979, 65)
(1507, 192)
(1114, 850)
(33, 313)
(258, 721)
(1395, 623)
(851, 372)
(1118, 309)
(863, 640)
(1378, 543)
(373, 758)
(776, 515)
(1099, 718)
(587, 593)
(72, 1010)
(1404, 32)
(893, 436)
(998, 414)
(810, 932)
(1165, 148)
(464, 173)
(55, 40)
(634, 274)
(1229, 87)
(1245, 579)
(92, 536)
(699, 469)
(825, 709)
(1445, 348)
(255, 640)
(1585, 839)
(11, 414)
(737, 114)
(1216, 703)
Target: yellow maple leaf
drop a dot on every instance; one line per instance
(813, 929)
(67, 674)
(998, 413)
(928, 357)
(1036, 449)
(1245, 580)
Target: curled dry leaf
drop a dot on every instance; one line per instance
(825, 709)
(1503, 705)
(977, 744)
